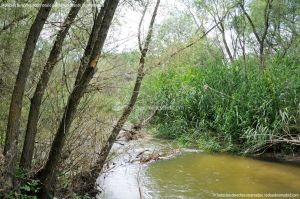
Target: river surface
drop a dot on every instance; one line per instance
(196, 175)
(201, 175)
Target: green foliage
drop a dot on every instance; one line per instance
(227, 108)
(31, 187)
(27, 191)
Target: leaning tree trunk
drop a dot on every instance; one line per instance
(36, 101)
(91, 43)
(127, 111)
(47, 174)
(12, 133)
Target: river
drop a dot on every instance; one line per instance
(192, 174)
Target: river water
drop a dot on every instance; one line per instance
(201, 175)
(196, 175)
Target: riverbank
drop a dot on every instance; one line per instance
(284, 158)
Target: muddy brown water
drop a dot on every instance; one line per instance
(202, 175)
(196, 175)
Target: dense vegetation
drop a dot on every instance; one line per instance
(229, 108)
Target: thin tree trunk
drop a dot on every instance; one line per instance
(263, 38)
(261, 57)
(36, 101)
(222, 30)
(47, 174)
(127, 111)
(12, 133)
(260, 40)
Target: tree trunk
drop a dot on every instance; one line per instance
(91, 43)
(260, 40)
(47, 174)
(36, 101)
(222, 30)
(263, 38)
(12, 133)
(261, 56)
(127, 111)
